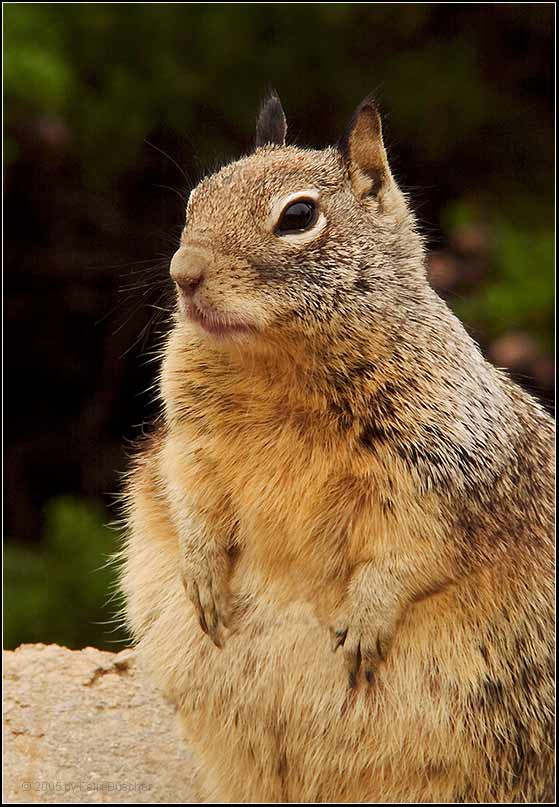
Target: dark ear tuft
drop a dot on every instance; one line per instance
(271, 126)
(363, 149)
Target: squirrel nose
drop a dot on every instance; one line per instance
(188, 285)
(187, 270)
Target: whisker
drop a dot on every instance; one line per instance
(168, 156)
(182, 197)
(145, 331)
(124, 265)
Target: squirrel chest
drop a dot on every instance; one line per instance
(300, 492)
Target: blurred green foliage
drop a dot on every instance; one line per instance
(115, 72)
(61, 590)
(517, 294)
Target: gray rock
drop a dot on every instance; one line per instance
(86, 727)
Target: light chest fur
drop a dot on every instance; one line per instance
(306, 499)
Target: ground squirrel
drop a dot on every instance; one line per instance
(339, 552)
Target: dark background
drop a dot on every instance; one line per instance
(113, 111)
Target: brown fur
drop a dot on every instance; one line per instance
(350, 463)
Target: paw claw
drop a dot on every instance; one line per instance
(216, 640)
(365, 646)
(365, 622)
(204, 597)
(337, 637)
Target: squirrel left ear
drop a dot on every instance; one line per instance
(271, 126)
(364, 151)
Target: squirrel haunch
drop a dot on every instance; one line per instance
(339, 552)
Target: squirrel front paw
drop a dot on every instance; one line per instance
(364, 627)
(205, 581)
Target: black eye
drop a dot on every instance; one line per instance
(297, 217)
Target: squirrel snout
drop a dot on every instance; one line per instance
(187, 270)
(188, 285)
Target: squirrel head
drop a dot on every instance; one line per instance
(290, 244)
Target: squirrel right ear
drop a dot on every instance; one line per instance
(271, 126)
(364, 152)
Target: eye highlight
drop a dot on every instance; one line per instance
(297, 217)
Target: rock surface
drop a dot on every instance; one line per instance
(85, 726)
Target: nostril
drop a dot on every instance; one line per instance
(188, 285)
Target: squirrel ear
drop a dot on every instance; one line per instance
(364, 152)
(271, 126)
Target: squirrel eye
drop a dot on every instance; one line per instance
(297, 217)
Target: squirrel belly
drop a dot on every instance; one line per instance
(339, 556)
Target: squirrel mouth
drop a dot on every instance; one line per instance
(215, 323)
